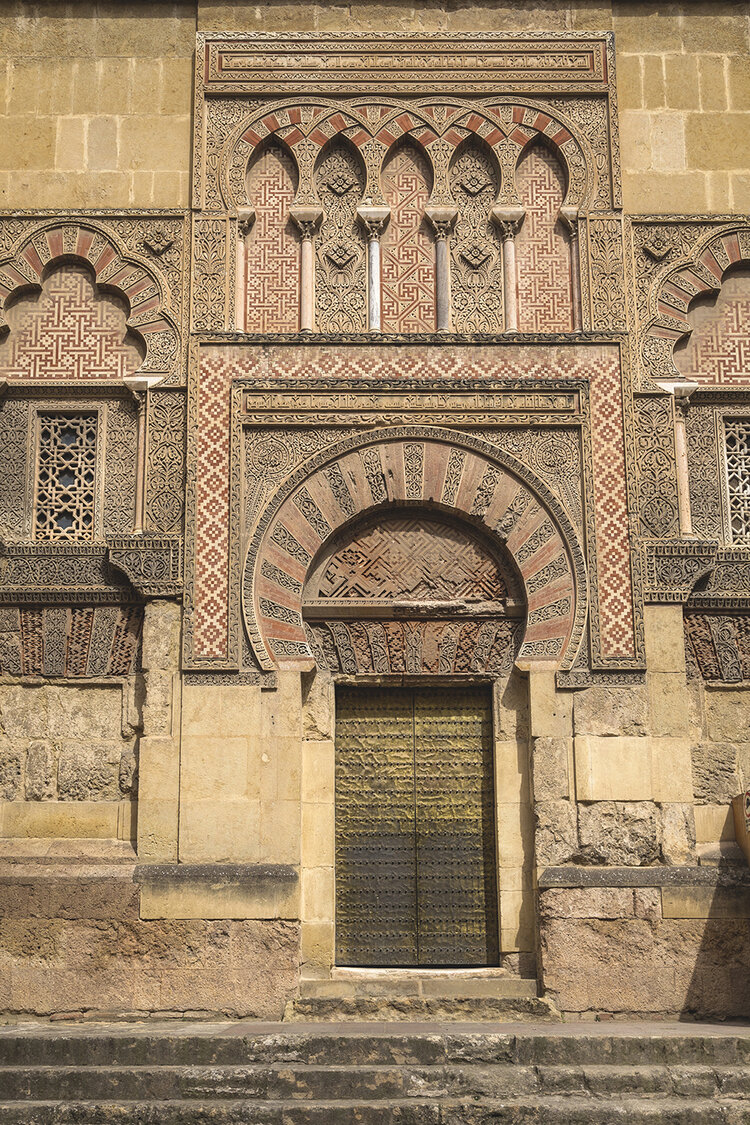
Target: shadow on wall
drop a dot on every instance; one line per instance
(717, 914)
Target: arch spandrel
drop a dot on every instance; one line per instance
(437, 472)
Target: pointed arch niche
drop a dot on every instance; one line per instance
(272, 256)
(543, 251)
(408, 254)
(340, 253)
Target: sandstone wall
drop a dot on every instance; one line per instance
(72, 941)
(97, 97)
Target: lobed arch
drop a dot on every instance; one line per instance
(508, 127)
(680, 286)
(411, 468)
(53, 244)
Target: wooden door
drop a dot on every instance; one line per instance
(415, 842)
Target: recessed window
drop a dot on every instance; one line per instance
(737, 452)
(66, 476)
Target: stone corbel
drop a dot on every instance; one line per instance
(681, 389)
(152, 564)
(306, 220)
(374, 219)
(245, 221)
(441, 220)
(508, 218)
(671, 568)
(569, 218)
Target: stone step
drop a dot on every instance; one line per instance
(525, 1111)
(298, 1081)
(238, 1044)
(420, 1009)
(425, 986)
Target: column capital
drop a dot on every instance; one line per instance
(245, 220)
(569, 217)
(441, 219)
(680, 389)
(373, 219)
(306, 219)
(508, 219)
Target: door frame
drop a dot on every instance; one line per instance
(514, 825)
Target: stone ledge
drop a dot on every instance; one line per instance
(643, 877)
(250, 874)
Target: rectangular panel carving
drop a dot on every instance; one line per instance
(330, 63)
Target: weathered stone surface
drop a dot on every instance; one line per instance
(619, 832)
(728, 715)
(556, 832)
(512, 708)
(550, 768)
(128, 772)
(317, 706)
(23, 710)
(39, 781)
(680, 966)
(115, 961)
(647, 903)
(89, 772)
(611, 711)
(587, 902)
(86, 713)
(677, 834)
(714, 772)
(161, 636)
(11, 762)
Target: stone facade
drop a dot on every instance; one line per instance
(371, 346)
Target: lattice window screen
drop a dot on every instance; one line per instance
(737, 449)
(66, 476)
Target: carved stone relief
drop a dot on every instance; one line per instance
(476, 265)
(341, 271)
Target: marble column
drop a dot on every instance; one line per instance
(306, 220)
(681, 390)
(508, 220)
(373, 219)
(245, 220)
(442, 219)
(569, 218)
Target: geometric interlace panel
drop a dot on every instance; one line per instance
(413, 560)
(66, 476)
(542, 248)
(737, 446)
(68, 331)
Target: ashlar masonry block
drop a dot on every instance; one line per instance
(613, 769)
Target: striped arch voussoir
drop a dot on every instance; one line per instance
(408, 466)
(679, 288)
(498, 125)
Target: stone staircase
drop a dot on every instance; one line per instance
(442, 1074)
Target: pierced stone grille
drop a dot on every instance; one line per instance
(66, 476)
(737, 449)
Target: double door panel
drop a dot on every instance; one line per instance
(415, 842)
